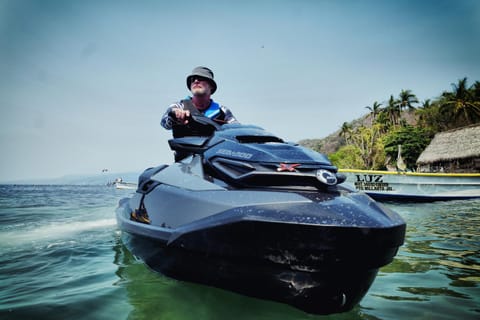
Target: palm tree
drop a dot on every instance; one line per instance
(346, 131)
(426, 104)
(475, 88)
(374, 110)
(393, 111)
(407, 98)
(460, 103)
(422, 112)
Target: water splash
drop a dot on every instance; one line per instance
(53, 231)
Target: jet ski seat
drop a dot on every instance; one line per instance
(186, 146)
(145, 184)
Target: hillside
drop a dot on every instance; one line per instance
(334, 141)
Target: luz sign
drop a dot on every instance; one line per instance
(371, 182)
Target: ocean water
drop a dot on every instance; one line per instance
(62, 257)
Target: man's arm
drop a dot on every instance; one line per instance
(167, 119)
(229, 117)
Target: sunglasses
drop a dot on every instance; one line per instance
(198, 78)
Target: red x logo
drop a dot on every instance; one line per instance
(287, 167)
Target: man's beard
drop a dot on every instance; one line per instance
(199, 91)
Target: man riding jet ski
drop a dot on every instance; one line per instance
(245, 211)
(202, 85)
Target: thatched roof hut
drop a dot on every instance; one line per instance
(453, 151)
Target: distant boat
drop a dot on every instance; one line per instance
(120, 184)
(387, 185)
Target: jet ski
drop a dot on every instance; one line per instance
(248, 212)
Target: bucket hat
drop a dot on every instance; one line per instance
(203, 72)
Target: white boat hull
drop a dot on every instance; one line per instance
(414, 186)
(125, 185)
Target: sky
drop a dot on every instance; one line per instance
(84, 84)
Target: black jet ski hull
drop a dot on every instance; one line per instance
(322, 292)
(295, 252)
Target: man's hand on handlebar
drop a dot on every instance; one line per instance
(182, 116)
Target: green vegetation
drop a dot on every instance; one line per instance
(373, 143)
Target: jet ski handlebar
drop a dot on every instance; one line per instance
(200, 119)
(194, 144)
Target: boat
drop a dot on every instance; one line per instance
(120, 184)
(414, 186)
(248, 212)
